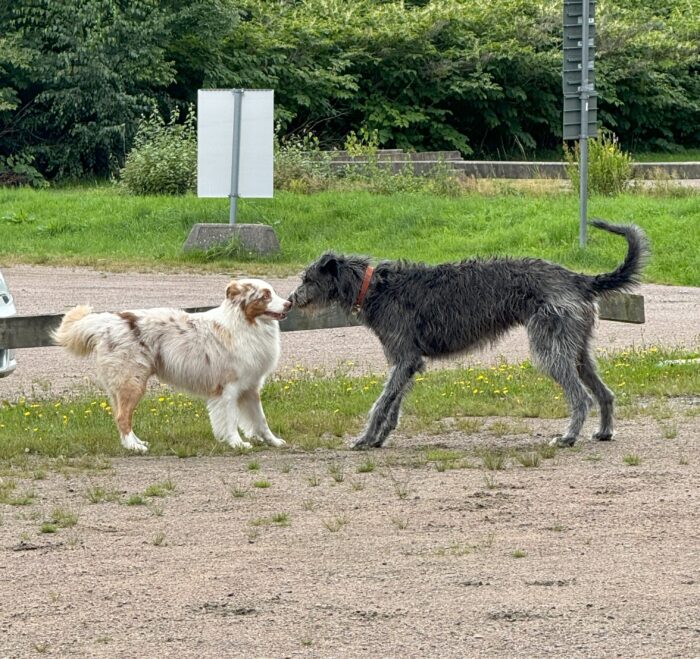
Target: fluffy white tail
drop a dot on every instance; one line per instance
(76, 333)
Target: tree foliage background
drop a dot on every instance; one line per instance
(481, 76)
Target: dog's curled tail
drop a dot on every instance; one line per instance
(74, 333)
(629, 273)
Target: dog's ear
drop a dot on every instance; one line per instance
(233, 290)
(328, 264)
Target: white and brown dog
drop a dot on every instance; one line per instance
(223, 355)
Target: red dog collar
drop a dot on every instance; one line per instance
(363, 290)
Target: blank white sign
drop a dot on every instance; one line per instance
(215, 143)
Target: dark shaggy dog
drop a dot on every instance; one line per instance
(420, 311)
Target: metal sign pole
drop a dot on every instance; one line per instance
(583, 142)
(236, 158)
(578, 82)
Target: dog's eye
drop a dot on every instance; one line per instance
(266, 295)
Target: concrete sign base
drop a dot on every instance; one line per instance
(258, 238)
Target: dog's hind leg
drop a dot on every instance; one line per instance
(606, 399)
(384, 415)
(253, 417)
(125, 399)
(555, 342)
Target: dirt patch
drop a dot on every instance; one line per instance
(366, 554)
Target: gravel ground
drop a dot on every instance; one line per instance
(581, 556)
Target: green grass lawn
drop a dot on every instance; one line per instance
(100, 226)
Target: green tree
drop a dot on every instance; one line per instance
(95, 66)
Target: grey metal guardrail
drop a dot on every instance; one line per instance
(35, 331)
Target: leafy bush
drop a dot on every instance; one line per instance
(164, 157)
(609, 167)
(300, 165)
(19, 170)
(368, 173)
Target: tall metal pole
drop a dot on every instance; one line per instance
(583, 141)
(236, 159)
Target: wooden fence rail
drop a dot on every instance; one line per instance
(35, 331)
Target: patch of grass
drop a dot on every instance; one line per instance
(253, 465)
(455, 549)
(632, 460)
(262, 484)
(335, 524)
(546, 451)
(402, 489)
(519, 553)
(10, 497)
(490, 482)
(442, 458)
(528, 459)
(100, 494)
(314, 480)
(400, 523)
(493, 460)
(48, 527)
(63, 518)
(468, 426)
(281, 519)
(162, 489)
(238, 492)
(158, 539)
(669, 430)
(337, 472)
(135, 500)
(367, 466)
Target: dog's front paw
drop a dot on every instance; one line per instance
(132, 443)
(603, 436)
(365, 443)
(238, 443)
(273, 440)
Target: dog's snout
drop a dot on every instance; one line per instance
(287, 305)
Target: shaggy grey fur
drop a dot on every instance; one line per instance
(420, 311)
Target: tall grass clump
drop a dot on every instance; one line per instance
(609, 167)
(164, 157)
